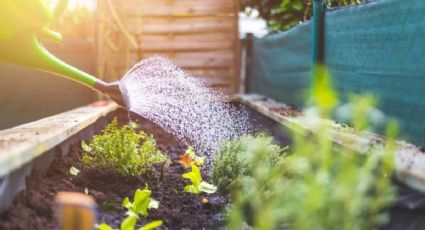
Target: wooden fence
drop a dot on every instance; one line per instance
(201, 36)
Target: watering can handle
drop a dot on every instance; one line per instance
(24, 48)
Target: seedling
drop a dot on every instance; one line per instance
(190, 156)
(198, 185)
(142, 202)
(130, 222)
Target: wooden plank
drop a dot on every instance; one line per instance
(186, 46)
(188, 37)
(175, 8)
(22, 144)
(207, 59)
(409, 159)
(175, 25)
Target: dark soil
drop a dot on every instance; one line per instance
(34, 208)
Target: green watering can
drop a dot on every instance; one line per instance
(22, 22)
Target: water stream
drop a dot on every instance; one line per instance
(158, 90)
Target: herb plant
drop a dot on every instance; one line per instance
(198, 185)
(122, 149)
(317, 186)
(234, 159)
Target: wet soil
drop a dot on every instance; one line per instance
(35, 208)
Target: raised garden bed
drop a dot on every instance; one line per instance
(34, 208)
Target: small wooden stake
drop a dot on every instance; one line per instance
(75, 211)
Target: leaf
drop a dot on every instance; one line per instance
(86, 148)
(199, 160)
(185, 160)
(206, 187)
(126, 203)
(194, 176)
(108, 207)
(142, 202)
(129, 223)
(153, 204)
(104, 226)
(192, 189)
(152, 225)
(74, 171)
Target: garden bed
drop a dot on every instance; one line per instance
(34, 208)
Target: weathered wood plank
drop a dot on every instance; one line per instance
(176, 8)
(188, 37)
(176, 25)
(186, 46)
(22, 144)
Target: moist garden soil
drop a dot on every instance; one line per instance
(34, 208)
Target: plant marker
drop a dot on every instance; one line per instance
(75, 211)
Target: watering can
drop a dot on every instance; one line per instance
(22, 23)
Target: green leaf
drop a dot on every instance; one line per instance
(192, 189)
(153, 204)
(104, 226)
(129, 223)
(142, 202)
(194, 176)
(108, 207)
(152, 225)
(74, 171)
(126, 203)
(86, 148)
(206, 187)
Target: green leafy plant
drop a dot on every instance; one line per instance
(198, 185)
(123, 149)
(318, 186)
(129, 223)
(190, 156)
(142, 202)
(233, 159)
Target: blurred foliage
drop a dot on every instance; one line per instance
(232, 160)
(284, 14)
(76, 23)
(317, 185)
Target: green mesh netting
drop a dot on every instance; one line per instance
(376, 48)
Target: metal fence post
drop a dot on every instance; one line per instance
(318, 39)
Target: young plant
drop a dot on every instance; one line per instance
(190, 156)
(317, 186)
(198, 185)
(123, 149)
(142, 202)
(233, 159)
(129, 223)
